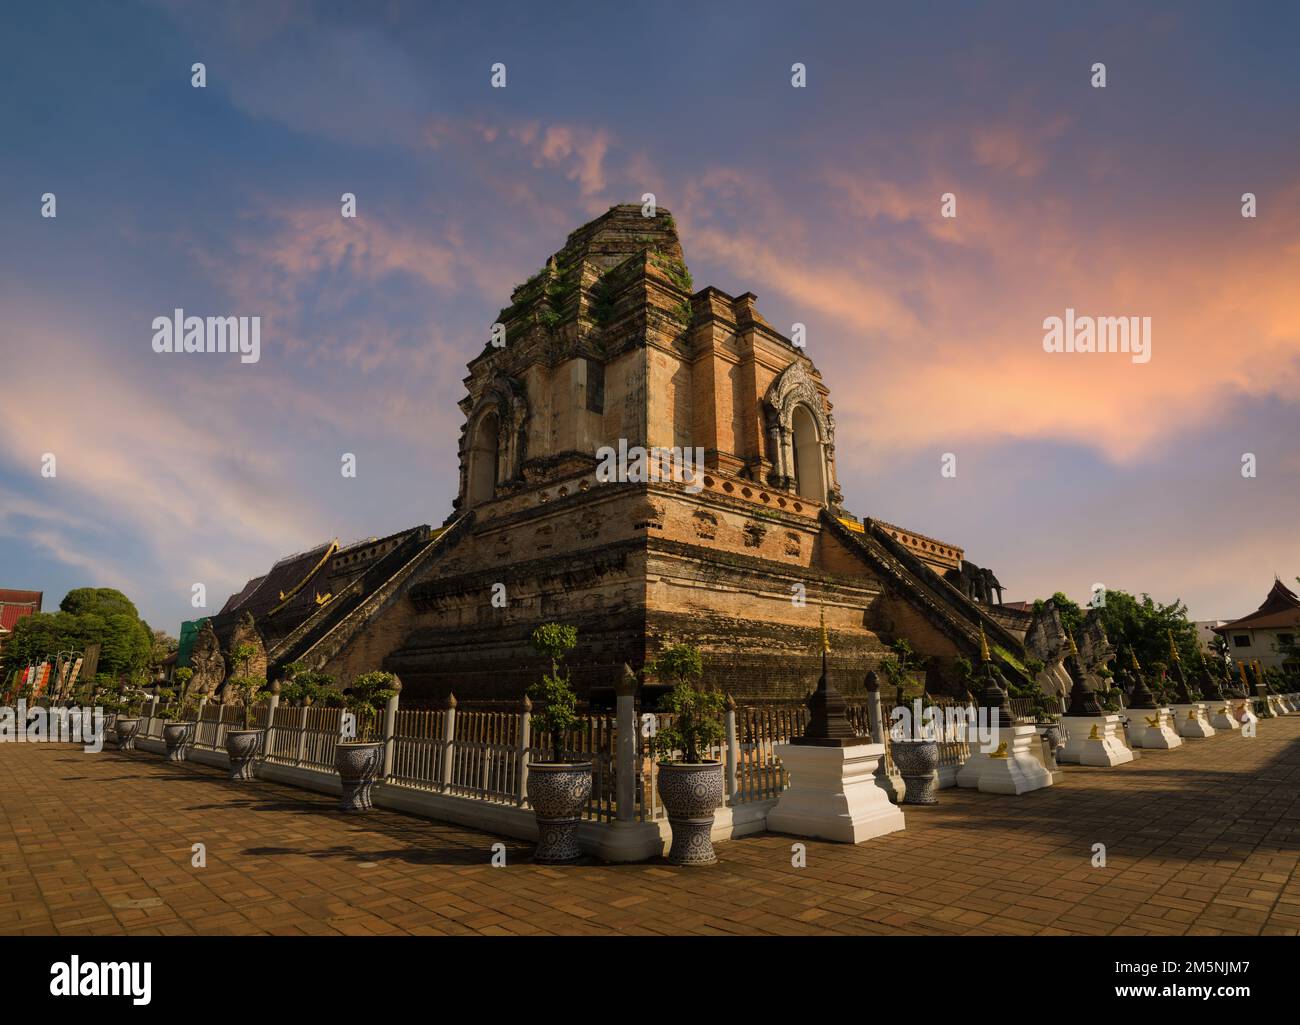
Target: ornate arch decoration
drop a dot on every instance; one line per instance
(505, 397)
(792, 388)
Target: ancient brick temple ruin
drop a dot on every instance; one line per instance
(610, 345)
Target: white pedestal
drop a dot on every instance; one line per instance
(1009, 769)
(1275, 705)
(833, 794)
(1191, 720)
(1243, 711)
(1152, 728)
(1093, 740)
(1222, 717)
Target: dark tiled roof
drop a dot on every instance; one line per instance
(1280, 608)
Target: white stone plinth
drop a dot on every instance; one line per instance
(1221, 715)
(1191, 720)
(833, 794)
(1009, 766)
(1152, 728)
(1243, 711)
(1093, 740)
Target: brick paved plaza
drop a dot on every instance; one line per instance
(1200, 840)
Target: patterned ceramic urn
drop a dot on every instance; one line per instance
(357, 763)
(691, 793)
(242, 746)
(126, 730)
(558, 791)
(918, 763)
(177, 738)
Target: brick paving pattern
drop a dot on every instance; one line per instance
(1201, 840)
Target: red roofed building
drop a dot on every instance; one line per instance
(1262, 634)
(14, 605)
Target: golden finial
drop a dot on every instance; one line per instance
(1133, 661)
(1173, 648)
(984, 646)
(1074, 648)
(826, 641)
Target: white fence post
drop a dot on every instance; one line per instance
(448, 737)
(302, 733)
(270, 719)
(525, 742)
(625, 754)
(873, 708)
(731, 748)
(390, 728)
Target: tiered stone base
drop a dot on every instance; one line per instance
(1008, 767)
(1093, 740)
(1152, 728)
(833, 794)
(1222, 717)
(1192, 721)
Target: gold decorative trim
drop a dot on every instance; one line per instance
(286, 598)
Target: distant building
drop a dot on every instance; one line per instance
(1205, 634)
(15, 605)
(1270, 627)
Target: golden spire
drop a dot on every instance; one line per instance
(984, 646)
(1133, 661)
(826, 641)
(1173, 648)
(1074, 648)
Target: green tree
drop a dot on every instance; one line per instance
(1144, 625)
(696, 713)
(554, 694)
(87, 615)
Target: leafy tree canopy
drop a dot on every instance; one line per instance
(1144, 625)
(86, 615)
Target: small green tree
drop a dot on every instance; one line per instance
(697, 713)
(554, 694)
(897, 667)
(298, 684)
(366, 698)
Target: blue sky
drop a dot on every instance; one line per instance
(824, 201)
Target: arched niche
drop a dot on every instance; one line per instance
(809, 460)
(485, 458)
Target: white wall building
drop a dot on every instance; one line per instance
(1261, 634)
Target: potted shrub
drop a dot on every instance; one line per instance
(558, 788)
(917, 759)
(359, 755)
(177, 732)
(244, 744)
(125, 725)
(690, 785)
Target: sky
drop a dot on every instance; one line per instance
(1072, 469)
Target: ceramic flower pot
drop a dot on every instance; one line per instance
(918, 763)
(691, 793)
(126, 728)
(558, 792)
(242, 746)
(357, 763)
(177, 738)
